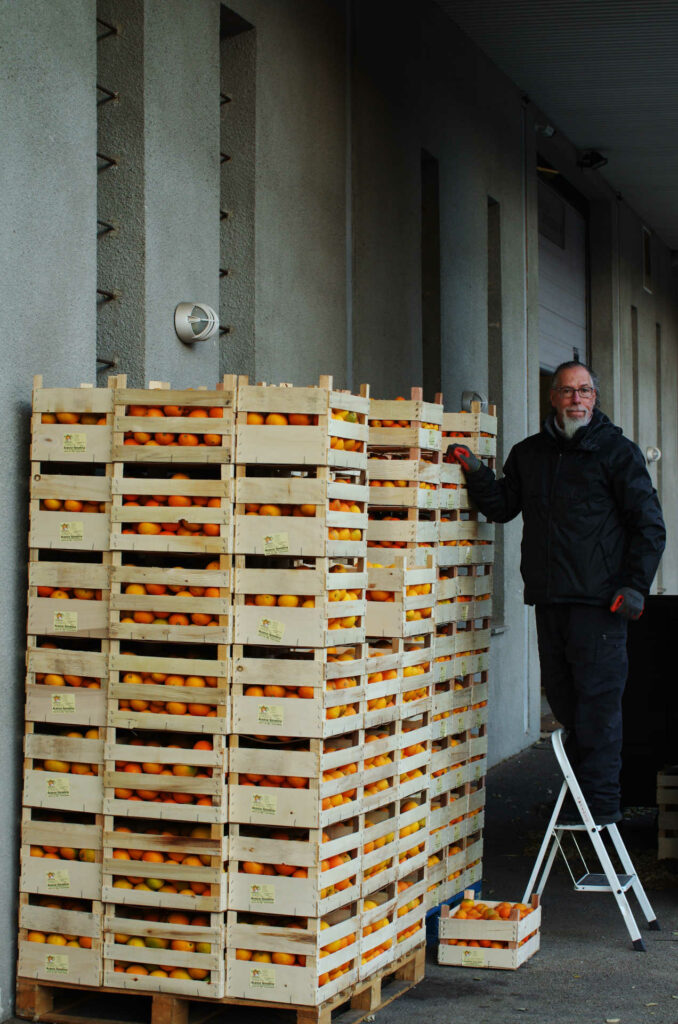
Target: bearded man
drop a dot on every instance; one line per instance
(593, 536)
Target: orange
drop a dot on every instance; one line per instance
(276, 419)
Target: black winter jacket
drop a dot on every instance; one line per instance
(591, 518)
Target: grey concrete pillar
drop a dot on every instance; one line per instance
(47, 285)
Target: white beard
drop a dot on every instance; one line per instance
(572, 424)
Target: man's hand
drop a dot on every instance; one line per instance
(459, 453)
(628, 603)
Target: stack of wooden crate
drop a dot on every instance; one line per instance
(667, 801)
(296, 761)
(465, 557)
(60, 915)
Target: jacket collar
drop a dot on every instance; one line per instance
(587, 438)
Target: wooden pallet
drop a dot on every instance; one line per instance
(69, 1004)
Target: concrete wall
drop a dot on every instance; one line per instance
(47, 284)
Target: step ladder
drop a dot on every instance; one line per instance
(606, 881)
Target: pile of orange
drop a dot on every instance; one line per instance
(142, 792)
(369, 929)
(422, 485)
(61, 767)
(71, 593)
(472, 910)
(416, 670)
(182, 528)
(155, 435)
(300, 419)
(155, 942)
(170, 707)
(56, 679)
(91, 419)
(63, 853)
(71, 505)
(273, 781)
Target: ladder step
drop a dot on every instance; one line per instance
(597, 882)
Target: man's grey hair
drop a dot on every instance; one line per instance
(571, 364)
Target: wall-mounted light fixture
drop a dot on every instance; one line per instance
(195, 321)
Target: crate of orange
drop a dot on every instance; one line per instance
(170, 690)
(377, 931)
(413, 837)
(295, 608)
(161, 425)
(306, 693)
(68, 599)
(298, 784)
(667, 801)
(63, 771)
(400, 528)
(166, 510)
(294, 871)
(401, 597)
(411, 910)
(476, 429)
(413, 753)
(417, 674)
(172, 776)
(168, 866)
(453, 493)
(301, 426)
(60, 939)
(175, 604)
(384, 679)
(173, 951)
(71, 424)
(403, 483)
(60, 854)
(64, 684)
(317, 511)
(406, 423)
(447, 751)
(489, 933)
(380, 851)
(292, 960)
(454, 527)
(69, 512)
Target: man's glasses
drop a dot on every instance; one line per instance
(567, 392)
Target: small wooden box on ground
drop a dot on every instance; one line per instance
(667, 800)
(519, 938)
(311, 426)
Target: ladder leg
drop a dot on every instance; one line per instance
(548, 835)
(617, 891)
(636, 885)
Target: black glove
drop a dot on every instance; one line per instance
(459, 453)
(628, 603)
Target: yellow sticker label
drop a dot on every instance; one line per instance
(277, 544)
(65, 622)
(262, 977)
(271, 629)
(262, 894)
(71, 531)
(56, 963)
(264, 803)
(472, 958)
(57, 785)
(74, 443)
(270, 714)
(57, 880)
(433, 438)
(63, 703)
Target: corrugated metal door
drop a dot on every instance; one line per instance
(562, 281)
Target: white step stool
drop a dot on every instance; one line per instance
(606, 881)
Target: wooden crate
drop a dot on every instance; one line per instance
(289, 716)
(158, 482)
(296, 534)
(118, 783)
(406, 476)
(124, 605)
(298, 626)
(117, 924)
(411, 423)
(125, 670)
(71, 442)
(76, 874)
(215, 440)
(76, 703)
(390, 618)
(294, 445)
(61, 791)
(71, 964)
(70, 528)
(380, 854)
(476, 429)
(513, 931)
(667, 800)
(408, 529)
(76, 617)
(452, 553)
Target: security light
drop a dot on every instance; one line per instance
(195, 321)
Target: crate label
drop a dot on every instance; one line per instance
(270, 714)
(443, 669)
(264, 803)
(57, 881)
(271, 629)
(468, 555)
(456, 832)
(71, 531)
(262, 894)
(63, 703)
(429, 499)
(56, 963)
(443, 729)
(74, 443)
(472, 958)
(465, 610)
(451, 500)
(479, 770)
(463, 667)
(277, 544)
(437, 841)
(58, 786)
(433, 438)
(262, 977)
(482, 662)
(438, 785)
(65, 622)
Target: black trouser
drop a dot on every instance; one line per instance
(582, 652)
